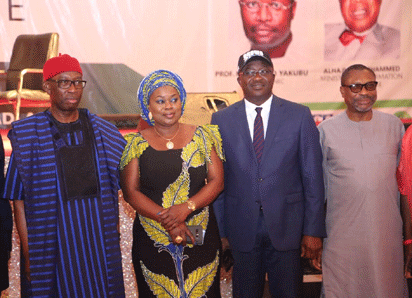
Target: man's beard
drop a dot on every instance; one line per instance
(371, 98)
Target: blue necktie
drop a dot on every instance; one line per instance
(258, 136)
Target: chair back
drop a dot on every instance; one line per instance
(31, 51)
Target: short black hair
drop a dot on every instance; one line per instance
(348, 70)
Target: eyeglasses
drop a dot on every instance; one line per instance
(256, 6)
(65, 84)
(356, 88)
(262, 72)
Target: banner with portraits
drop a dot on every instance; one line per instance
(311, 43)
(119, 41)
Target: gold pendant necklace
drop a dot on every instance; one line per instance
(169, 145)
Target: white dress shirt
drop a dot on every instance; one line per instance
(381, 42)
(251, 114)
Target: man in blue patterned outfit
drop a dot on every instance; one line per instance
(63, 179)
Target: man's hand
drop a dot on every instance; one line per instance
(225, 275)
(312, 249)
(225, 244)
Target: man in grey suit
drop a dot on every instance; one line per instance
(361, 37)
(271, 210)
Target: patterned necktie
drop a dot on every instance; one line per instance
(348, 36)
(258, 136)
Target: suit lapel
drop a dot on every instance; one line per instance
(274, 122)
(243, 129)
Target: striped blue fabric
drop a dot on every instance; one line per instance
(74, 246)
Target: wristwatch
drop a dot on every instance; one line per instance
(191, 205)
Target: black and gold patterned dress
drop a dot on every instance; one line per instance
(171, 177)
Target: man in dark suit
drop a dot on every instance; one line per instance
(272, 209)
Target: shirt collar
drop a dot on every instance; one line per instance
(251, 107)
(364, 33)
